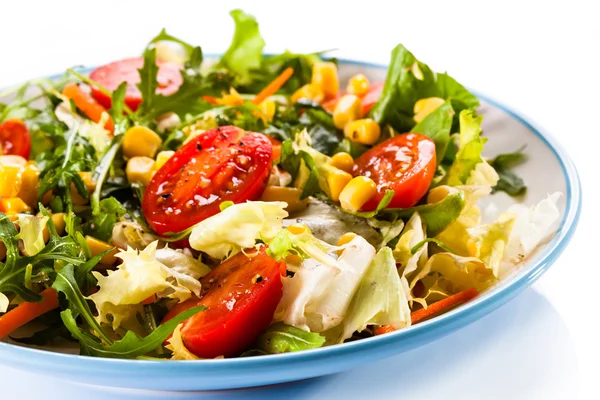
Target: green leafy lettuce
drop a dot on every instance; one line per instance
(281, 338)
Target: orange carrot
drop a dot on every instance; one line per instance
(87, 104)
(274, 86)
(27, 312)
(151, 299)
(437, 307)
(442, 305)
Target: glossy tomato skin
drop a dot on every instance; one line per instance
(405, 164)
(221, 164)
(14, 138)
(112, 75)
(240, 297)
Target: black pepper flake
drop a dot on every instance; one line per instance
(198, 147)
(165, 195)
(257, 279)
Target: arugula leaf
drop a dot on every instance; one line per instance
(282, 338)
(409, 80)
(436, 216)
(131, 345)
(302, 167)
(437, 126)
(422, 243)
(509, 181)
(110, 211)
(245, 51)
(352, 148)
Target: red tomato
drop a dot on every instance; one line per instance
(404, 164)
(240, 297)
(112, 75)
(14, 138)
(222, 164)
(368, 101)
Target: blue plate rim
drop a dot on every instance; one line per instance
(461, 316)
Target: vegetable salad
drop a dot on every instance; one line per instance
(172, 207)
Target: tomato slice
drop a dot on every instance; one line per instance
(240, 297)
(368, 101)
(404, 164)
(112, 75)
(14, 138)
(222, 164)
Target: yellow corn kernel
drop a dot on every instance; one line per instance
(140, 141)
(363, 131)
(29, 184)
(356, 193)
(98, 246)
(140, 170)
(325, 75)
(89, 184)
(268, 108)
(346, 238)
(309, 91)
(291, 259)
(59, 223)
(336, 182)
(297, 229)
(10, 180)
(439, 193)
(358, 85)
(13, 205)
(290, 195)
(2, 251)
(162, 158)
(349, 108)
(424, 107)
(233, 98)
(343, 161)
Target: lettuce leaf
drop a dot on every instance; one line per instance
(177, 347)
(487, 242)
(409, 80)
(411, 236)
(238, 227)
(245, 51)
(31, 233)
(281, 338)
(469, 149)
(379, 299)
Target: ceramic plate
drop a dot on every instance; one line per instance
(547, 170)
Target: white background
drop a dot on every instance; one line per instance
(541, 58)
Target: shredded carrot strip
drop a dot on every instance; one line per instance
(27, 312)
(151, 299)
(274, 86)
(435, 308)
(442, 305)
(87, 104)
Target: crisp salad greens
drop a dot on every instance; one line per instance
(174, 207)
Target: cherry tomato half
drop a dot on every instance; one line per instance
(112, 75)
(14, 138)
(240, 297)
(404, 164)
(221, 164)
(368, 101)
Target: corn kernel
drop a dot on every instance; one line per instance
(297, 229)
(13, 205)
(98, 246)
(140, 170)
(349, 108)
(290, 195)
(358, 85)
(89, 184)
(140, 141)
(363, 131)
(293, 259)
(268, 108)
(233, 98)
(162, 158)
(356, 193)
(424, 107)
(325, 75)
(336, 182)
(16, 161)
(343, 161)
(29, 184)
(346, 238)
(309, 91)
(59, 223)
(10, 180)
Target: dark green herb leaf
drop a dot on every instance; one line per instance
(281, 338)
(437, 126)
